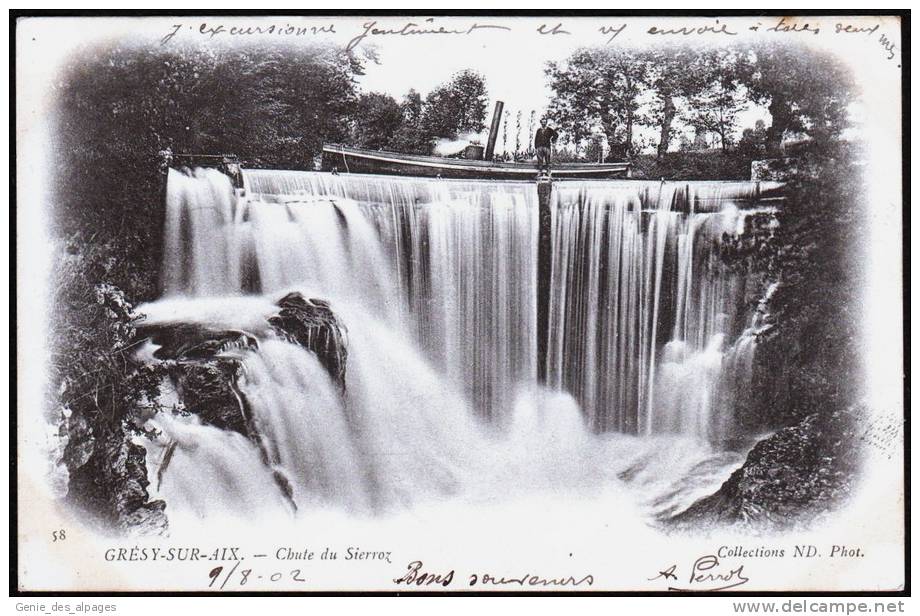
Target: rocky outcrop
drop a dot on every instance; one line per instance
(77, 434)
(193, 342)
(102, 465)
(792, 478)
(208, 388)
(128, 474)
(205, 363)
(111, 484)
(312, 324)
(98, 468)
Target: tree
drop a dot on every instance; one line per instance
(717, 98)
(805, 90)
(411, 137)
(594, 151)
(517, 136)
(669, 80)
(574, 106)
(599, 88)
(531, 123)
(752, 140)
(506, 121)
(378, 121)
(412, 108)
(458, 106)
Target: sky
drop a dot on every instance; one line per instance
(512, 61)
(511, 64)
(511, 53)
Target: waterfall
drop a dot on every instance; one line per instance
(435, 281)
(402, 436)
(207, 471)
(453, 263)
(642, 310)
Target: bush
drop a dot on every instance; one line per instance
(705, 165)
(98, 394)
(808, 356)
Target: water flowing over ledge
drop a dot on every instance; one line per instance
(436, 282)
(642, 312)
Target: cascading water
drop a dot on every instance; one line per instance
(642, 309)
(453, 262)
(436, 284)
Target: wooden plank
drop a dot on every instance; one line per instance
(544, 274)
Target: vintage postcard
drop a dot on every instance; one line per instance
(460, 303)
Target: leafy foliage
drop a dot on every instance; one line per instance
(92, 368)
(717, 99)
(669, 81)
(599, 87)
(118, 108)
(409, 135)
(413, 126)
(808, 357)
(102, 395)
(377, 121)
(611, 91)
(694, 165)
(458, 106)
(806, 91)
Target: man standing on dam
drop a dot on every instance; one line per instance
(543, 144)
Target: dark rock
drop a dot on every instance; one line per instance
(309, 323)
(128, 472)
(312, 324)
(147, 520)
(204, 369)
(189, 341)
(205, 372)
(80, 442)
(788, 479)
(112, 486)
(207, 389)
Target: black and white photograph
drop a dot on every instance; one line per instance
(460, 303)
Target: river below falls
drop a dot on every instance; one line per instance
(402, 437)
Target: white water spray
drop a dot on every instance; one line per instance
(436, 284)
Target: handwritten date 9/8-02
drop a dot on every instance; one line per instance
(241, 577)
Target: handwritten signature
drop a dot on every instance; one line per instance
(706, 574)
